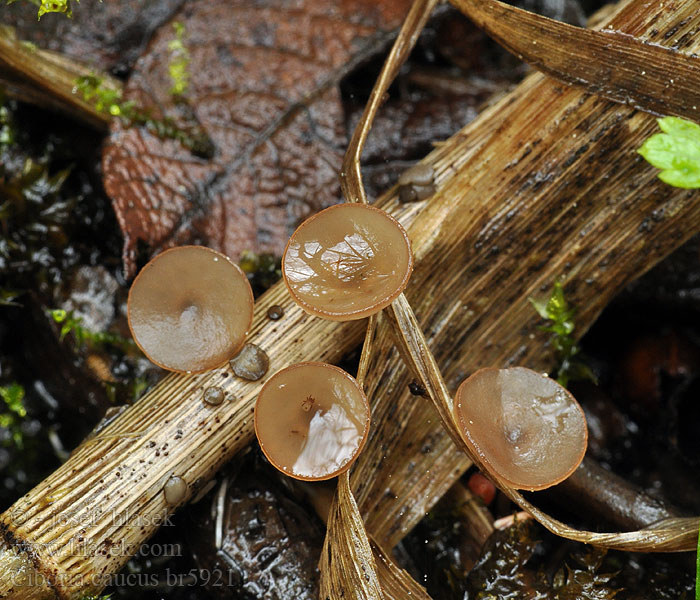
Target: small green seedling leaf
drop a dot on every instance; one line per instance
(108, 100)
(676, 152)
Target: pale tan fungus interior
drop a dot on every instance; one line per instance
(526, 426)
(347, 262)
(190, 309)
(311, 420)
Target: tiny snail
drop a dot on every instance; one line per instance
(175, 490)
(190, 309)
(312, 420)
(417, 183)
(525, 426)
(347, 262)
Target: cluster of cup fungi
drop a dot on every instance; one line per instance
(190, 310)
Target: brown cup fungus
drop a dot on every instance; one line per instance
(190, 309)
(311, 420)
(347, 262)
(525, 426)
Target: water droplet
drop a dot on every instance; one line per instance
(250, 363)
(214, 395)
(275, 312)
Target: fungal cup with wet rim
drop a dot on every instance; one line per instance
(190, 309)
(347, 262)
(525, 426)
(312, 420)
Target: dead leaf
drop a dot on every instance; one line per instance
(347, 562)
(608, 63)
(108, 35)
(263, 85)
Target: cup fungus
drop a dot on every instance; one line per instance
(311, 420)
(525, 426)
(190, 309)
(347, 262)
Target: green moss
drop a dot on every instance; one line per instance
(13, 412)
(107, 99)
(55, 6)
(7, 128)
(84, 337)
(560, 315)
(51, 6)
(34, 215)
(104, 98)
(179, 61)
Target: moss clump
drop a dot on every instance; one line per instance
(13, 412)
(560, 315)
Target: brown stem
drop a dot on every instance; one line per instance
(351, 175)
(591, 489)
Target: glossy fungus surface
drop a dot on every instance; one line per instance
(190, 309)
(529, 429)
(347, 262)
(311, 420)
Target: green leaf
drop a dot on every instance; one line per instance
(83, 336)
(679, 127)
(676, 151)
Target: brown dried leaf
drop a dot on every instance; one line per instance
(108, 35)
(263, 87)
(353, 565)
(347, 563)
(609, 63)
(397, 584)
(351, 560)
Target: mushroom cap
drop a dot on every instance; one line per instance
(190, 309)
(347, 262)
(311, 420)
(529, 429)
